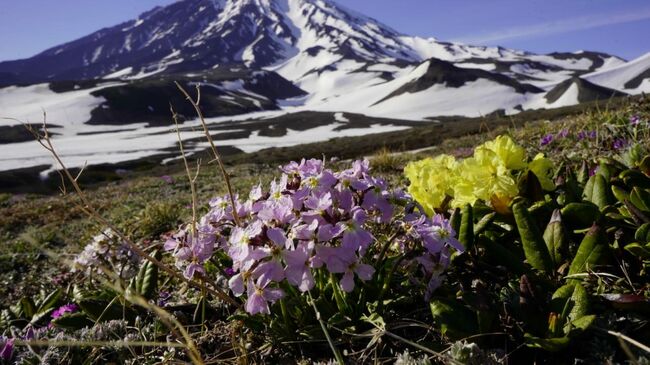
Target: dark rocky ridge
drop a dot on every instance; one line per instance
(19, 133)
(597, 58)
(147, 101)
(442, 72)
(636, 82)
(587, 91)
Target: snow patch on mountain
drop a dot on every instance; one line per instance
(71, 109)
(619, 77)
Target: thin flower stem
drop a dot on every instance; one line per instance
(384, 287)
(216, 154)
(191, 180)
(337, 353)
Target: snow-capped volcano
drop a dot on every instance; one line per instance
(301, 36)
(275, 62)
(193, 35)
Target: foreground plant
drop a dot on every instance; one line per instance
(337, 235)
(563, 251)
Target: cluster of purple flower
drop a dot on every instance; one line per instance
(564, 133)
(582, 135)
(635, 120)
(311, 219)
(549, 138)
(106, 251)
(61, 311)
(546, 140)
(619, 143)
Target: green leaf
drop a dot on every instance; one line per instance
(606, 170)
(583, 173)
(50, 301)
(79, 293)
(592, 251)
(535, 249)
(588, 192)
(633, 178)
(455, 220)
(556, 239)
(484, 223)
(466, 234)
(599, 193)
(620, 194)
(454, 319)
(571, 302)
(641, 199)
(644, 166)
(339, 296)
(17, 310)
(72, 321)
(581, 215)
(579, 325)
(548, 344)
(639, 250)
(643, 233)
(41, 317)
(28, 307)
(541, 210)
(103, 310)
(146, 282)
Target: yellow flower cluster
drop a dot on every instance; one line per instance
(488, 176)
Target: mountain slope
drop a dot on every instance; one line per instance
(577, 90)
(632, 77)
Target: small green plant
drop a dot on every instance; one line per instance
(30, 312)
(386, 160)
(156, 219)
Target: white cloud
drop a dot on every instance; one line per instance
(557, 27)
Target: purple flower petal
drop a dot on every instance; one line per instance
(347, 282)
(364, 271)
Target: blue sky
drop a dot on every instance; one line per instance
(619, 27)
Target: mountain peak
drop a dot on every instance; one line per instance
(293, 37)
(203, 34)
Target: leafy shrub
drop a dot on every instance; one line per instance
(554, 275)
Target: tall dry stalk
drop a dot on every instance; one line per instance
(46, 142)
(213, 148)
